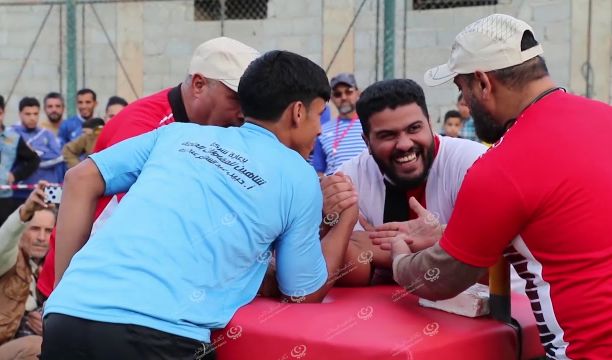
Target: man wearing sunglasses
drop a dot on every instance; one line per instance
(340, 140)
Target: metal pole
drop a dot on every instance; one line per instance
(71, 56)
(377, 51)
(222, 2)
(389, 41)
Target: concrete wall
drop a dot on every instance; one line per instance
(155, 41)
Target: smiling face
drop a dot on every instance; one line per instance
(86, 105)
(402, 144)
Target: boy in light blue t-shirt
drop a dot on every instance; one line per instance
(206, 208)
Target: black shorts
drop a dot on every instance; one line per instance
(68, 337)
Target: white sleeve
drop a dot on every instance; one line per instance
(10, 233)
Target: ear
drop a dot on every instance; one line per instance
(484, 83)
(198, 83)
(366, 139)
(298, 113)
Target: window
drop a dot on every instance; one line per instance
(210, 10)
(446, 4)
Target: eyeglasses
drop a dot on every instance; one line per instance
(347, 92)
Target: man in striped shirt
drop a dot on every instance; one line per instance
(340, 140)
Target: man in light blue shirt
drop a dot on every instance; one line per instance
(206, 208)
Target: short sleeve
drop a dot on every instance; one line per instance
(301, 267)
(121, 164)
(489, 213)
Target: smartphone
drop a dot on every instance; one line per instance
(53, 194)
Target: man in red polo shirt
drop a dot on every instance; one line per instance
(541, 195)
(207, 97)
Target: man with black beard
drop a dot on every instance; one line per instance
(406, 164)
(340, 139)
(53, 104)
(543, 202)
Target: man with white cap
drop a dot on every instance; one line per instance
(207, 97)
(540, 196)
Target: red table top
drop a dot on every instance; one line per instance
(381, 322)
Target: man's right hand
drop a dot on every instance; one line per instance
(34, 202)
(339, 194)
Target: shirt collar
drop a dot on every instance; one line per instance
(177, 105)
(259, 129)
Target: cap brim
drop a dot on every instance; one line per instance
(232, 84)
(438, 75)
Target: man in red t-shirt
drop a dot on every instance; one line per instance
(207, 97)
(541, 196)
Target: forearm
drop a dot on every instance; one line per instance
(433, 274)
(10, 233)
(83, 185)
(334, 246)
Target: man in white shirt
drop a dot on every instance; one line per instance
(405, 159)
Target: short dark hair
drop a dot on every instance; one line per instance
(53, 95)
(85, 91)
(116, 100)
(388, 94)
(2, 105)
(275, 80)
(451, 114)
(93, 123)
(28, 101)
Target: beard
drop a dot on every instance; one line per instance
(346, 108)
(426, 155)
(487, 129)
(54, 117)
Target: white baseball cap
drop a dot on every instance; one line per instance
(491, 43)
(222, 59)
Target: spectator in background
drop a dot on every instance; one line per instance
(17, 162)
(468, 131)
(340, 140)
(43, 142)
(79, 148)
(54, 109)
(452, 123)
(24, 242)
(71, 128)
(114, 105)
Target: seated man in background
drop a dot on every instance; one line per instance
(176, 263)
(24, 242)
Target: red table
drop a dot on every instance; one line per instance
(381, 322)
